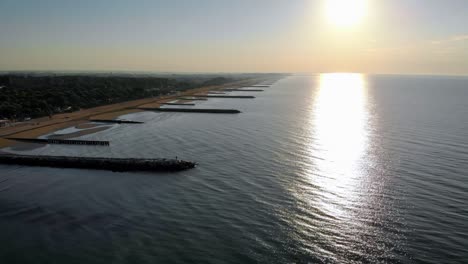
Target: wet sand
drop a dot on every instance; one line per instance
(22, 146)
(86, 126)
(79, 133)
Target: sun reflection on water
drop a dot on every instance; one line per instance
(340, 117)
(339, 137)
(339, 182)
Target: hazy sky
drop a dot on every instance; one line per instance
(395, 36)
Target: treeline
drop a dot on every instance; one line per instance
(28, 96)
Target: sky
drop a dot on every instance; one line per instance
(392, 36)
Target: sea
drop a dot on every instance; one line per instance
(325, 168)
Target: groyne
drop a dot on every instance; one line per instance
(177, 104)
(258, 86)
(113, 164)
(192, 99)
(243, 90)
(227, 96)
(116, 121)
(62, 141)
(194, 110)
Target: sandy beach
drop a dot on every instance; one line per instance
(42, 126)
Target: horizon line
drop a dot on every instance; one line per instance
(225, 72)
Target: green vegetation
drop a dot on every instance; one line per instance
(23, 96)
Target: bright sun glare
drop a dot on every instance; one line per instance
(345, 13)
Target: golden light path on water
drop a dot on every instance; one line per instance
(339, 124)
(337, 144)
(338, 187)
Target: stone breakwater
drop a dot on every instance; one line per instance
(112, 164)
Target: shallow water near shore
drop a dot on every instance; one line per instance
(335, 168)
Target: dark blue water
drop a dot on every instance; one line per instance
(317, 169)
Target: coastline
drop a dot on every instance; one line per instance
(42, 126)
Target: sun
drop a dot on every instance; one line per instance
(345, 13)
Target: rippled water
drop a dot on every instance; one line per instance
(335, 168)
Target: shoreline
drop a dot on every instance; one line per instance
(42, 126)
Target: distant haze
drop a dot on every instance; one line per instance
(397, 36)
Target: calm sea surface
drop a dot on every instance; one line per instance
(335, 168)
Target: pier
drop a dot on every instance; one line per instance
(62, 141)
(113, 164)
(115, 121)
(194, 110)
